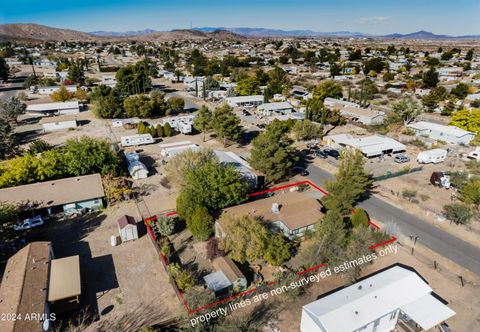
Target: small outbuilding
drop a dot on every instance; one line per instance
(127, 227)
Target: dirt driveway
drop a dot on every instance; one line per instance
(117, 282)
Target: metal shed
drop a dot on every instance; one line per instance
(127, 227)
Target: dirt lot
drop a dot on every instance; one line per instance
(119, 281)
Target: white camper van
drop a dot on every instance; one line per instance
(434, 156)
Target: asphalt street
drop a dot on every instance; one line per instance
(447, 245)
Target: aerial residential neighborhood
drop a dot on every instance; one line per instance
(214, 178)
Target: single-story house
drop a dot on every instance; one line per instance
(24, 288)
(69, 195)
(65, 286)
(450, 134)
(245, 101)
(363, 116)
(127, 228)
(338, 103)
(292, 213)
(169, 150)
(376, 304)
(136, 168)
(135, 140)
(48, 90)
(68, 107)
(241, 165)
(278, 108)
(59, 122)
(369, 146)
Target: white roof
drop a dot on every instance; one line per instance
(52, 106)
(176, 144)
(283, 105)
(370, 145)
(450, 130)
(244, 99)
(427, 311)
(363, 302)
(217, 281)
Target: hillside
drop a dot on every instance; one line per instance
(37, 32)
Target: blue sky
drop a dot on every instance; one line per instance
(454, 17)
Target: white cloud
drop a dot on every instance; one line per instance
(374, 20)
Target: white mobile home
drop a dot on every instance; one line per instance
(134, 140)
(338, 103)
(434, 156)
(55, 123)
(376, 304)
(171, 149)
(245, 101)
(109, 80)
(69, 107)
(449, 134)
(48, 90)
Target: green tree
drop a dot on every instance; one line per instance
(307, 130)
(138, 105)
(4, 69)
(167, 130)
(8, 146)
(200, 223)
(159, 130)
(328, 89)
(183, 278)
(470, 192)
(460, 91)
(11, 108)
(329, 239)
(430, 78)
(469, 55)
(317, 112)
(458, 213)
(359, 217)
(39, 146)
(175, 105)
(272, 152)
(373, 64)
(133, 79)
(277, 81)
(407, 110)
(225, 124)
(248, 86)
(277, 250)
(203, 121)
(76, 73)
(351, 182)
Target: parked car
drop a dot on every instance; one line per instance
(331, 152)
(321, 154)
(299, 170)
(28, 223)
(401, 158)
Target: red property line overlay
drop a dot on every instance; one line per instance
(300, 273)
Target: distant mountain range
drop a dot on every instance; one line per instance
(35, 32)
(265, 32)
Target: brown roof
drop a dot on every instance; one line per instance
(64, 278)
(228, 267)
(126, 220)
(24, 286)
(56, 192)
(297, 209)
(361, 111)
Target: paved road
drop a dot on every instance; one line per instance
(445, 244)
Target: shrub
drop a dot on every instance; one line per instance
(200, 223)
(277, 250)
(359, 217)
(182, 277)
(409, 194)
(159, 131)
(458, 213)
(165, 225)
(167, 130)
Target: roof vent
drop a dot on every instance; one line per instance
(356, 312)
(360, 287)
(276, 208)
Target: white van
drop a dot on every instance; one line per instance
(29, 223)
(434, 156)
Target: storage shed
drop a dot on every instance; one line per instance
(127, 227)
(65, 286)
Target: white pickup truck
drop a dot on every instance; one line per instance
(29, 223)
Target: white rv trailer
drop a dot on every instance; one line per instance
(434, 156)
